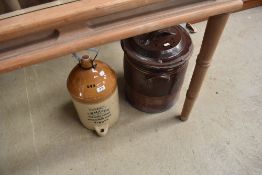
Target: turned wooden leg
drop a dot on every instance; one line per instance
(214, 29)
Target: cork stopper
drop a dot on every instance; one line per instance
(86, 62)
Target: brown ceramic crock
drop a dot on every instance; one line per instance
(154, 67)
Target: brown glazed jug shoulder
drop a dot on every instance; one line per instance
(91, 85)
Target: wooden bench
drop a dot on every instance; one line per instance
(50, 33)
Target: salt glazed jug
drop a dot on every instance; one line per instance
(93, 89)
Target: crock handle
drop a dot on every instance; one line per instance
(101, 130)
(162, 76)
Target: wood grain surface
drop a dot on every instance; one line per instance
(76, 37)
(63, 15)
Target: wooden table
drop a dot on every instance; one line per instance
(50, 33)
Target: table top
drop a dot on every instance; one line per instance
(100, 27)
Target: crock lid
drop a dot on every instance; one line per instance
(165, 47)
(91, 82)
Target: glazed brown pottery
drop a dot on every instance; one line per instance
(154, 67)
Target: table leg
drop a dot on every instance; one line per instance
(214, 29)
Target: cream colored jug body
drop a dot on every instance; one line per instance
(99, 116)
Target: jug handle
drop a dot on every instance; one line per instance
(101, 130)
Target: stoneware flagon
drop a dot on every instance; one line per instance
(93, 88)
